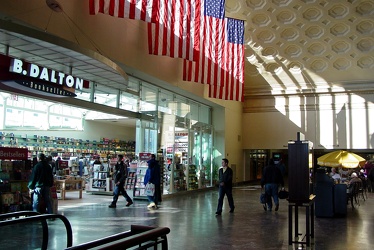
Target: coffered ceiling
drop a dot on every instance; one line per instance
(301, 45)
(291, 46)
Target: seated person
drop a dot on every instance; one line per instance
(335, 175)
(343, 173)
(354, 179)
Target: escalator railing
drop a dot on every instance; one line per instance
(141, 237)
(138, 237)
(5, 220)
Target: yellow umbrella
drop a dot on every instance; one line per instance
(341, 158)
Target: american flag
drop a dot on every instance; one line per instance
(194, 30)
(225, 72)
(175, 28)
(145, 10)
(183, 29)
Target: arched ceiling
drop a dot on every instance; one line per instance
(291, 46)
(306, 44)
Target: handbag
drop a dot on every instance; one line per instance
(283, 194)
(263, 198)
(149, 189)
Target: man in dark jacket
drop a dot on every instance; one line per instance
(225, 186)
(120, 176)
(40, 183)
(271, 179)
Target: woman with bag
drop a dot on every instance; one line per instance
(152, 176)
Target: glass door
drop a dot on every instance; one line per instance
(201, 157)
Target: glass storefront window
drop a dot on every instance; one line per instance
(169, 123)
(182, 107)
(12, 117)
(129, 99)
(84, 94)
(166, 102)
(148, 100)
(146, 137)
(206, 168)
(105, 96)
(204, 114)
(129, 102)
(201, 153)
(15, 118)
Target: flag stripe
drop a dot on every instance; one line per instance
(145, 10)
(177, 30)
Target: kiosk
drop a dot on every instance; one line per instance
(299, 191)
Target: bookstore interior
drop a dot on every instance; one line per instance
(30, 126)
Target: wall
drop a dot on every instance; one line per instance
(98, 129)
(92, 131)
(334, 121)
(228, 137)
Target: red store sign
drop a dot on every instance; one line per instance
(13, 153)
(144, 156)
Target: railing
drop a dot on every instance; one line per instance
(141, 237)
(34, 216)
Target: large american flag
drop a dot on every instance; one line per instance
(194, 30)
(175, 28)
(225, 71)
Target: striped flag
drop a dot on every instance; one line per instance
(194, 30)
(225, 72)
(145, 10)
(183, 28)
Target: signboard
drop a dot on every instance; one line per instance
(64, 164)
(13, 153)
(30, 77)
(144, 156)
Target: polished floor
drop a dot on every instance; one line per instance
(194, 225)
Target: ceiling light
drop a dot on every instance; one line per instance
(54, 5)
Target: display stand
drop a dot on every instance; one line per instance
(100, 183)
(130, 180)
(15, 172)
(69, 185)
(192, 182)
(309, 218)
(139, 181)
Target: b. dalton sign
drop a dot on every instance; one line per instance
(31, 77)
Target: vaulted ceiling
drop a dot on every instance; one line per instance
(302, 45)
(292, 46)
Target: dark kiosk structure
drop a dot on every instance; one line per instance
(299, 190)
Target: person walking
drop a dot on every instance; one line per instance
(152, 175)
(120, 176)
(40, 183)
(371, 180)
(225, 174)
(270, 180)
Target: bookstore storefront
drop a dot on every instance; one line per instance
(176, 128)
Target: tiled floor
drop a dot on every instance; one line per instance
(191, 218)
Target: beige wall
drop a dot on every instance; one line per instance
(339, 121)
